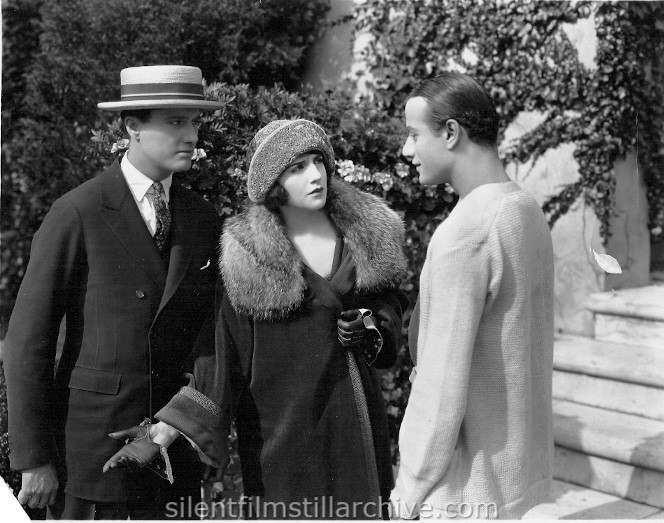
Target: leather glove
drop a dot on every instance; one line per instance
(140, 451)
(360, 332)
(351, 330)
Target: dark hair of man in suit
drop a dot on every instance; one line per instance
(142, 115)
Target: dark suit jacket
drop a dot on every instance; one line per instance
(131, 321)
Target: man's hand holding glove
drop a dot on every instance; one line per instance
(146, 446)
(358, 329)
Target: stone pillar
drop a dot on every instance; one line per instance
(630, 238)
(577, 275)
(331, 58)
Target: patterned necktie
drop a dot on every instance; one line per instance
(163, 216)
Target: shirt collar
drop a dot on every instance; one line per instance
(139, 184)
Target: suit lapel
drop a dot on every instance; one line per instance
(119, 210)
(182, 231)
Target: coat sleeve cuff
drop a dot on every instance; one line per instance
(201, 421)
(27, 458)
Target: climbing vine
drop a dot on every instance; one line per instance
(521, 52)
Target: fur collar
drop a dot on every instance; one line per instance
(262, 271)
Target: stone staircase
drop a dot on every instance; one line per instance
(609, 412)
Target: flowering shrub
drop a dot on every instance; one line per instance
(61, 57)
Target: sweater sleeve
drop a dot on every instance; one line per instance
(453, 290)
(203, 410)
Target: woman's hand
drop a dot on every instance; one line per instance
(138, 453)
(351, 330)
(148, 441)
(358, 329)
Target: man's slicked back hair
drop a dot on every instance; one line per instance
(454, 95)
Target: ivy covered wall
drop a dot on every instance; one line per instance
(579, 87)
(521, 51)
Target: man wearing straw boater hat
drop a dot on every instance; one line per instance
(129, 259)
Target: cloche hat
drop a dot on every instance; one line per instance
(276, 145)
(160, 87)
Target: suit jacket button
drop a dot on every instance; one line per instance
(140, 295)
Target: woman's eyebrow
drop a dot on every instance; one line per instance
(293, 164)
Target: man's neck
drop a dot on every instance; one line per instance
(479, 166)
(144, 167)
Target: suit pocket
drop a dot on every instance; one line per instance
(95, 380)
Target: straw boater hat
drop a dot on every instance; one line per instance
(276, 145)
(160, 87)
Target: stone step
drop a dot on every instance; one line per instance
(618, 479)
(620, 437)
(646, 303)
(568, 501)
(609, 394)
(629, 363)
(632, 316)
(634, 331)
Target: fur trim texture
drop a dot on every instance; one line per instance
(262, 271)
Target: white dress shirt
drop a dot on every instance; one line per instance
(139, 185)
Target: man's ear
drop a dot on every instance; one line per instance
(133, 126)
(453, 131)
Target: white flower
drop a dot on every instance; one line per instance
(120, 145)
(199, 154)
(430, 191)
(384, 179)
(346, 168)
(402, 170)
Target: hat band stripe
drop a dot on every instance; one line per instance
(161, 96)
(162, 90)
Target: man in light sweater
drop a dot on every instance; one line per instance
(476, 439)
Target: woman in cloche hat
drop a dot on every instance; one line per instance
(308, 308)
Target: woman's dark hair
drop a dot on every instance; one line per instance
(453, 95)
(276, 197)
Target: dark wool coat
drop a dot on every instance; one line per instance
(131, 322)
(279, 370)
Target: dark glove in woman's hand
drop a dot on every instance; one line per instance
(138, 453)
(351, 330)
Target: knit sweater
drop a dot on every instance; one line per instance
(477, 429)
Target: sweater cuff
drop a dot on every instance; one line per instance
(200, 420)
(401, 508)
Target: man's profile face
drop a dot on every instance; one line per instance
(425, 147)
(165, 142)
